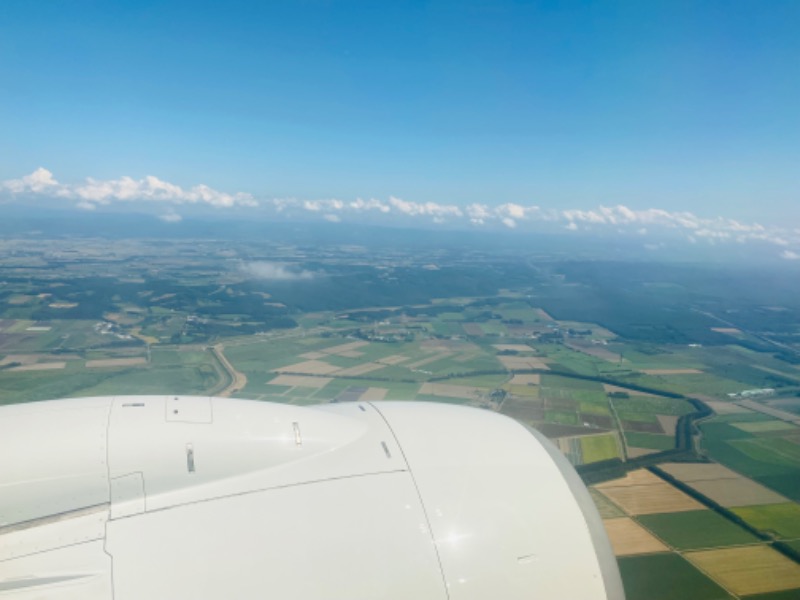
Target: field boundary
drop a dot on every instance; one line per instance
(782, 547)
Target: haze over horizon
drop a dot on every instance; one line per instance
(642, 117)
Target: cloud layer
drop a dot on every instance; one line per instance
(617, 219)
(93, 192)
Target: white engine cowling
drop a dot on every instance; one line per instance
(195, 497)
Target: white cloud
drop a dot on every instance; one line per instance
(712, 234)
(478, 213)
(789, 255)
(125, 189)
(509, 222)
(515, 211)
(41, 180)
(360, 205)
(586, 216)
(613, 220)
(431, 209)
(271, 271)
(322, 205)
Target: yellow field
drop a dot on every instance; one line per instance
(668, 423)
(518, 363)
(722, 485)
(738, 492)
(116, 362)
(698, 471)
(374, 393)
(147, 339)
(628, 538)
(360, 369)
(529, 391)
(634, 452)
(642, 493)
(638, 477)
(451, 391)
(347, 350)
(392, 360)
(350, 346)
(309, 367)
(723, 408)
(651, 499)
(765, 426)
(526, 379)
(300, 381)
(606, 508)
(748, 569)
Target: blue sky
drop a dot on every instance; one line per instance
(676, 106)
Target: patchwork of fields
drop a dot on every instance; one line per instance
(603, 400)
(669, 545)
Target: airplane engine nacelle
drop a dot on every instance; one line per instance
(134, 497)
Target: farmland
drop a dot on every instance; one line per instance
(667, 576)
(650, 522)
(652, 375)
(696, 529)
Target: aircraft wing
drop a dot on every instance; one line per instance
(134, 497)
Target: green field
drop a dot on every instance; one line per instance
(156, 380)
(599, 447)
(531, 391)
(611, 320)
(767, 426)
(570, 383)
(782, 520)
(666, 577)
(680, 358)
(697, 383)
(696, 529)
(743, 417)
(44, 385)
(651, 405)
(569, 360)
(593, 408)
(772, 461)
(770, 450)
(649, 440)
(561, 417)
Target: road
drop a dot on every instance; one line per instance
(238, 380)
